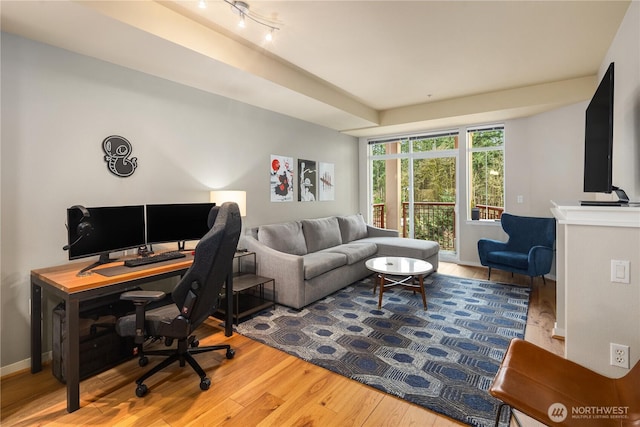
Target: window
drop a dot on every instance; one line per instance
(413, 186)
(486, 171)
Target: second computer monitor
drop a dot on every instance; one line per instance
(177, 222)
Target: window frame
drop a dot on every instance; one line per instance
(471, 150)
(411, 156)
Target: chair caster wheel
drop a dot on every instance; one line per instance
(205, 383)
(141, 390)
(230, 353)
(143, 361)
(195, 344)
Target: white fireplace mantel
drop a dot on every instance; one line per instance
(608, 216)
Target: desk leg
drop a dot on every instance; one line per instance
(72, 350)
(228, 322)
(36, 328)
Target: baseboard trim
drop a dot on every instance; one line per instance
(23, 365)
(557, 333)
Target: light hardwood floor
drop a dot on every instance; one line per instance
(261, 386)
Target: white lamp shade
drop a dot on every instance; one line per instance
(240, 197)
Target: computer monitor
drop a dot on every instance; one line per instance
(177, 222)
(104, 230)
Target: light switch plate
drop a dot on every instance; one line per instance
(619, 271)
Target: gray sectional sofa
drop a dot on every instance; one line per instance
(312, 258)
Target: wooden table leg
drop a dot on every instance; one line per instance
(381, 290)
(424, 297)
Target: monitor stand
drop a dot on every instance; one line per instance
(104, 259)
(623, 199)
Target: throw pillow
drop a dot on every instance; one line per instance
(286, 237)
(352, 228)
(321, 233)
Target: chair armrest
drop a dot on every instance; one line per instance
(142, 297)
(489, 245)
(381, 232)
(540, 260)
(140, 300)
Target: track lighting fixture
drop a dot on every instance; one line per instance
(241, 8)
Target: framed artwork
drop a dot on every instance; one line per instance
(308, 181)
(326, 186)
(281, 180)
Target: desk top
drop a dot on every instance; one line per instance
(63, 277)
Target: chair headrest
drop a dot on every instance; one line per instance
(213, 214)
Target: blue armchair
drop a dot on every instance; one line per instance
(528, 251)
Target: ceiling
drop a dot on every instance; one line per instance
(360, 67)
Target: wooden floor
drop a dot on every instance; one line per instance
(260, 386)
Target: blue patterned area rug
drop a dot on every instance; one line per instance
(443, 359)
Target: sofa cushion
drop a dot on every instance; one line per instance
(355, 251)
(512, 259)
(352, 227)
(321, 233)
(317, 263)
(400, 246)
(286, 237)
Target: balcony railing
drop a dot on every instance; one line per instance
(433, 220)
(490, 212)
(378, 215)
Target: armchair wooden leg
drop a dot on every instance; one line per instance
(489, 276)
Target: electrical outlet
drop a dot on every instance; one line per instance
(620, 355)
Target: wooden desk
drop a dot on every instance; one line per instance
(62, 282)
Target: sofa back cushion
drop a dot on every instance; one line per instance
(286, 237)
(352, 227)
(321, 233)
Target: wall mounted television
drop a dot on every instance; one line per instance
(598, 143)
(112, 229)
(177, 222)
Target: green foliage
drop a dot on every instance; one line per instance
(487, 168)
(434, 181)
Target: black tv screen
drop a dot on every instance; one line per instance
(598, 146)
(113, 229)
(177, 222)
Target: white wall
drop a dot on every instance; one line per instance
(625, 52)
(597, 311)
(57, 107)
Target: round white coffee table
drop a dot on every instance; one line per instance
(399, 271)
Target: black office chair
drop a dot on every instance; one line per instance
(196, 297)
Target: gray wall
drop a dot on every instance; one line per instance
(57, 107)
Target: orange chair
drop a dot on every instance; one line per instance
(558, 392)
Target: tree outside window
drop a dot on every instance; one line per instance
(486, 174)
